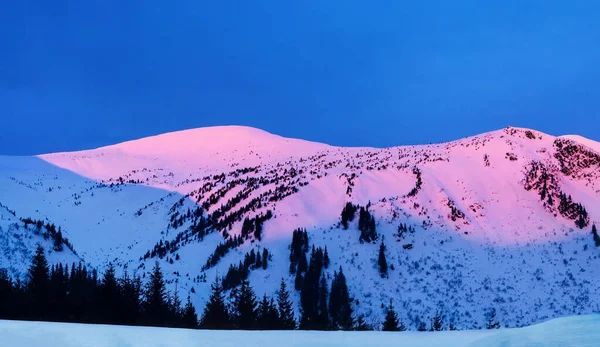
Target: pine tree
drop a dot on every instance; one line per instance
(175, 309)
(361, 325)
(58, 241)
(189, 318)
(323, 315)
(595, 235)
(216, 315)
(244, 307)
(340, 303)
(382, 261)
(131, 298)
(285, 308)
(7, 296)
(38, 284)
(325, 258)
(268, 316)
(265, 260)
(298, 281)
(391, 320)
(109, 298)
(437, 322)
(155, 305)
(490, 317)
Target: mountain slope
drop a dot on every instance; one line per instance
(499, 221)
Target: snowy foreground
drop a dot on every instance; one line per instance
(568, 331)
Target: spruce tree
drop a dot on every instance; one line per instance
(268, 316)
(189, 318)
(244, 307)
(175, 309)
(437, 322)
(382, 261)
(38, 285)
(361, 325)
(131, 305)
(595, 235)
(340, 303)
(155, 305)
(323, 313)
(216, 315)
(391, 320)
(326, 258)
(58, 241)
(265, 260)
(7, 296)
(110, 296)
(285, 308)
(490, 317)
(298, 281)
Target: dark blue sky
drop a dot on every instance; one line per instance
(81, 74)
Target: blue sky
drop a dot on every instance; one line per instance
(81, 74)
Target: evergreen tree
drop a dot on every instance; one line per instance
(298, 281)
(155, 305)
(325, 258)
(323, 315)
(58, 241)
(268, 316)
(216, 315)
(175, 309)
(361, 325)
(189, 317)
(131, 305)
(437, 322)
(265, 260)
(595, 235)
(391, 320)
(285, 308)
(382, 261)
(7, 296)
(490, 317)
(348, 214)
(244, 307)
(311, 293)
(109, 298)
(38, 285)
(340, 303)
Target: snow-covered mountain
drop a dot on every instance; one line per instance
(496, 221)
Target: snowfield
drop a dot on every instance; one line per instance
(578, 331)
(489, 232)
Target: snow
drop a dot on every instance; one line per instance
(571, 331)
(509, 252)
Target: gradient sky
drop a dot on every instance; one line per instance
(81, 74)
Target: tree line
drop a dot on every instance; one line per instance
(76, 294)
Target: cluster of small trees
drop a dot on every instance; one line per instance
(366, 225)
(348, 213)
(238, 273)
(418, 184)
(298, 249)
(366, 221)
(222, 249)
(58, 293)
(245, 312)
(76, 294)
(255, 225)
(403, 229)
(574, 211)
(50, 232)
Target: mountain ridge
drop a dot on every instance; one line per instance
(478, 208)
